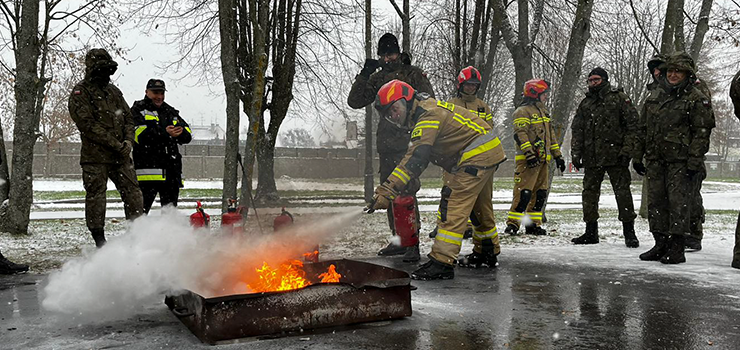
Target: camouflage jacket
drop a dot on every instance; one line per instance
(604, 128)
(104, 120)
(675, 126)
(452, 138)
(389, 138)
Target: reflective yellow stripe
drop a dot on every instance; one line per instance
(151, 117)
(525, 145)
(401, 175)
(138, 132)
(174, 122)
(516, 216)
(534, 216)
(431, 122)
(555, 147)
(480, 149)
(426, 127)
(486, 234)
(188, 129)
(523, 157)
(469, 123)
(150, 177)
(449, 237)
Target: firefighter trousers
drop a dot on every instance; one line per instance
(477, 241)
(388, 162)
(530, 193)
(168, 192)
(95, 179)
(469, 190)
(620, 178)
(670, 192)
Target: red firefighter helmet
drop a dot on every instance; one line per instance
(391, 92)
(536, 87)
(468, 75)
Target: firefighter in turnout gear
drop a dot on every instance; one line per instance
(673, 137)
(391, 142)
(464, 146)
(735, 96)
(157, 159)
(604, 129)
(107, 132)
(534, 137)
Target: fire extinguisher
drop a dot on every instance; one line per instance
(282, 221)
(232, 220)
(200, 218)
(404, 220)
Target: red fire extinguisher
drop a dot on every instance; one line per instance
(232, 220)
(404, 219)
(283, 220)
(200, 218)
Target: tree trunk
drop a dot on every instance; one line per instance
(4, 173)
(702, 26)
(406, 19)
(669, 27)
(678, 34)
(228, 31)
(266, 188)
(15, 218)
(369, 153)
(497, 19)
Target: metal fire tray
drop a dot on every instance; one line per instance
(366, 292)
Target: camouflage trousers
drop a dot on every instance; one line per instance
(95, 179)
(670, 192)
(736, 252)
(530, 193)
(620, 178)
(697, 214)
(388, 162)
(469, 190)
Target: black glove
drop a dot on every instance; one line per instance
(532, 160)
(639, 168)
(577, 163)
(692, 172)
(560, 163)
(370, 66)
(126, 148)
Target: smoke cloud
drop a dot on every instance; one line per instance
(163, 254)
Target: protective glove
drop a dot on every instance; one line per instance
(370, 66)
(577, 163)
(532, 160)
(384, 194)
(126, 148)
(560, 163)
(639, 168)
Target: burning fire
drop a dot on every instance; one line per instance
(287, 276)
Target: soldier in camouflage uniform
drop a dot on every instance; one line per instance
(735, 96)
(604, 129)
(391, 142)
(674, 130)
(107, 132)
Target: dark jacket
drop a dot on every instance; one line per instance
(390, 139)
(104, 120)
(604, 128)
(156, 155)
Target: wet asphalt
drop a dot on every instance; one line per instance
(522, 304)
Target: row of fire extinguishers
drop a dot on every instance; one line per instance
(233, 219)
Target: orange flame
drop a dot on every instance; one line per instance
(331, 275)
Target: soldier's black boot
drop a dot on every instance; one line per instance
(675, 253)
(511, 229)
(392, 249)
(486, 258)
(8, 267)
(591, 236)
(657, 251)
(692, 243)
(412, 254)
(535, 230)
(434, 270)
(630, 239)
(434, 232)
(99, 236)
(736, 264)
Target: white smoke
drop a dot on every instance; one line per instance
(161, 254)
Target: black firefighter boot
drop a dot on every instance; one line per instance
(412, 254)
(630, 239)
(675, 254)
(511, 229)
(736, 264)
(99, 236)
(433, 233)
(8, 267)
(486, 258)
(591, 236)
(434, 270)
(657, 251)
(535, 230)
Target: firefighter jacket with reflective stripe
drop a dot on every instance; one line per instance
(156, 155)
(104, 120)
(450, 137)
(390, 139)
(533, 132)
(675, 126)
(474, 105)
(604, 128)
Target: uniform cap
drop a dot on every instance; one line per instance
(656, 62)
(600, 72)
(100, 59)
(681, 61)
(155, 85)
(388, 44)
